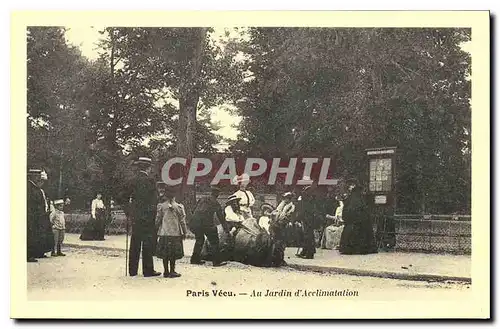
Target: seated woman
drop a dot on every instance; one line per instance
(332, 233)
(246, 198)
(233, 213)
(267, 212)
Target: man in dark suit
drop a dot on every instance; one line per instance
(202, 224)
(307, 212)
(143, 199)
(39, 239)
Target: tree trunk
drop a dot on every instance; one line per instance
(60, 186)
(111, 145)
(189, 92)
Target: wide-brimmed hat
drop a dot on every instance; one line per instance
(233, 198)
(58, 201)
(266, 207)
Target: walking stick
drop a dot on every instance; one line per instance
(126, 246)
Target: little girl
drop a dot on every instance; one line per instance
(171, 228)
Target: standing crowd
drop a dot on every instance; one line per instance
(159, 223)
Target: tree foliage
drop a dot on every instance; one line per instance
(336, 92)
(299, 91)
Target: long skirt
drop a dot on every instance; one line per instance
(358, 238)
(94, 228)
(169, 247)
(331, 237)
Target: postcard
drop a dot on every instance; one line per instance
(250, 165)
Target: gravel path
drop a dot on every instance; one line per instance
(87, 274)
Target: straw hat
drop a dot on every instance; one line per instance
(233, 198)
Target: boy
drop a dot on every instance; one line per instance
(58, 227)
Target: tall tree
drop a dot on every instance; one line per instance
(339, 91)
(190, 70)
(56, 118)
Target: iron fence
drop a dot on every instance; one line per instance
(426, 233)
(430, 233)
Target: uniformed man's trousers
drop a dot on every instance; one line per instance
(147, 242)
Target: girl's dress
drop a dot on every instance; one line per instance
(171, 223)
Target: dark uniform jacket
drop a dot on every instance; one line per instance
(310, 208)
(203, 216)
(36, 203)
(39, 226)
(144, 203)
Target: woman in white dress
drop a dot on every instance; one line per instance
(94, 230)
(332, 233)
(234, 215)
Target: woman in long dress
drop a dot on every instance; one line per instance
(357, 236)
(333, 232)
(94, 230)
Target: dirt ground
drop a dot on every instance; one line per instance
(88, 274)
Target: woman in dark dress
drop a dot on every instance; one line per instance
(357, 236)
(95, 227)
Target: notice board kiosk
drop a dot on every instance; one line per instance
(382, 193)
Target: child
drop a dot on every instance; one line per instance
(171, 228)
(58, 227)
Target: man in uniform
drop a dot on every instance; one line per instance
(202, 224)
(39, 241)
(143, 204)
(307, 213)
